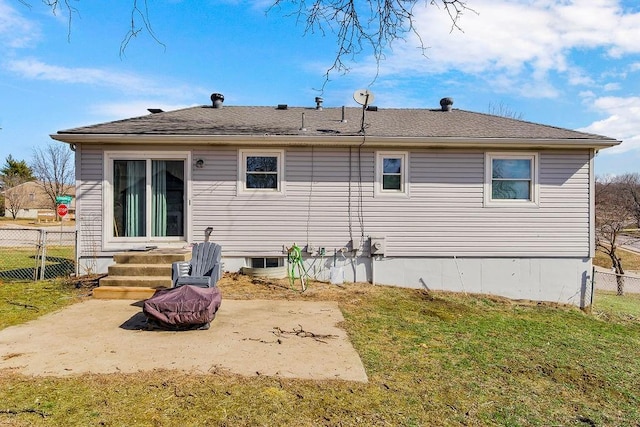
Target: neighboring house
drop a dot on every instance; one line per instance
(423, 198)
(30, 200)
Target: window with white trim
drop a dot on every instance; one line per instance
(391, 173)
(260, 171)
(145, 196)
(511, 179)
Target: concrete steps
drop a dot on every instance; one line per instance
(138, 274)
(137, 270)
(122, 292)
(154, 282)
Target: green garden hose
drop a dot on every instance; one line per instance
(295, 261)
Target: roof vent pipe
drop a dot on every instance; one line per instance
(446, 104)
(217, 99)
(302, 128)
(344, 120)
(319, 103)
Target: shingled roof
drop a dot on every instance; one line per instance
(235, 121)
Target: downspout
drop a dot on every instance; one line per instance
(373, 270)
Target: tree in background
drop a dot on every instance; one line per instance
(614, 214)
(15, 173)
(16, 198)
(16, 169)
(631, 186)
(53, 166)
(502, 110)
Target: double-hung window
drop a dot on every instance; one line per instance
(391, 173)
(260, 171)
(511, 179)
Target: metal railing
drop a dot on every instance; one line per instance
(36, 253)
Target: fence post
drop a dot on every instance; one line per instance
(593, 284)
(38, 255)
(75, 253)
(43, 256)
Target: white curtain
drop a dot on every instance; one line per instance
(134, 202)
(159, 198)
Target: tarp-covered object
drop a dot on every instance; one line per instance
(185, 307)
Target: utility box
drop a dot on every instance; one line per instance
(377, 246)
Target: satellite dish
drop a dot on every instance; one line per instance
(363, 97)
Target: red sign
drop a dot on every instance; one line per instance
(63, 210)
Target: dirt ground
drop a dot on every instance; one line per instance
(262, 328)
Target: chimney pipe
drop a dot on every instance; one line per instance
(302, 128)
(217, 99)
(446, 103)
(319, 103)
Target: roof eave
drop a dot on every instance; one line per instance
(342, 140)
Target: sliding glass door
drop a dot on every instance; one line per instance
(148, 198)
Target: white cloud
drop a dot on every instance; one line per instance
(610, 87)
(622, 122)
(15, 30)
(34, 69)
(526, 41)
(587, 95)
(122, 110)
(31, 68)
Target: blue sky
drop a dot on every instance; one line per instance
(572, 64)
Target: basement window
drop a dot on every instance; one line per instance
(265, 262)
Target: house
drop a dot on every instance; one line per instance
(29, 200)
(424, 198)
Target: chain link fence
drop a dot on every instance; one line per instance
(616, 283)
(36, 254)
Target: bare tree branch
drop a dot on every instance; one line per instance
(358, 25)
(365, 24)
(139, 14)
(16, 195)
(503, 110)
(54, 168)
(614, 213)
(55, 5)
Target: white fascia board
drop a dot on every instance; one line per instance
(354, 140)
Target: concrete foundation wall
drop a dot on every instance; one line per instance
(558, 280)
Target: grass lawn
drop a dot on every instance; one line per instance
(610, 304)
(14, 258)
(432, 359)
(630, 260)
(30, 222)
(21, 301)
(20, 263)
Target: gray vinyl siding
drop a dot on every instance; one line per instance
(443, 215)
(89, 204)
(260, 224)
